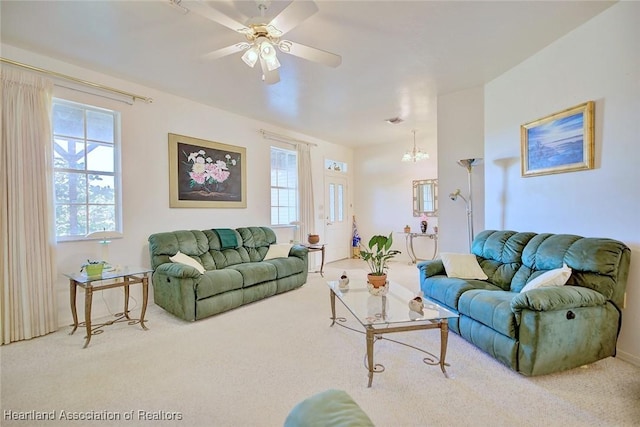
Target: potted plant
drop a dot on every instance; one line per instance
(378, 253)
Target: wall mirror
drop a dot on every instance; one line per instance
(425, 197)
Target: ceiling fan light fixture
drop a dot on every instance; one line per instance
(267, 51)
(250, 57)
(272, 63)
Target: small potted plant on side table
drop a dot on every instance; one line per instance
(93, 268)
(376, 256)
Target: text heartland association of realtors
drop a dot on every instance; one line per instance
(133, 415)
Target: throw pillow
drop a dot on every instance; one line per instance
(557, 277)
(187, 260)
(462, 266)
(280, 250)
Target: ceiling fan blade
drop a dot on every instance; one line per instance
(269, 77)
(310, 53)
(199, 7)
(225, 51)
(293, 15)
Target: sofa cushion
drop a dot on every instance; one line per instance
(278, 251)
(163, 245)
(492, 309)
(216, 282)
(287, 266)
(462, 266)
(447, 290)
(254, 273)
(501, 254)
(181, 258)
(555, 277)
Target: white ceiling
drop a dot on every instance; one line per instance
(397, 56)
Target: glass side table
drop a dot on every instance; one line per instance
(317, 247)
(122, 277)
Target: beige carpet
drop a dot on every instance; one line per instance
(250, 366)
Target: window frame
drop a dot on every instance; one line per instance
(275, 203)
(116, 174)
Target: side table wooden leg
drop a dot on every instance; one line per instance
(322, 263)
(88, 297)
(126, 297)
(145, 296)
(73, 286)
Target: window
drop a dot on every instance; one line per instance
(86, 169)
(284, 186)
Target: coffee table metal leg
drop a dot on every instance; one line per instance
(333, 307)
(444, 336)
(370, 365)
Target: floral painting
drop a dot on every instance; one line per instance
(205, 173)
(561, 142)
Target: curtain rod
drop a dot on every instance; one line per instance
(283, 138)
(76, 80)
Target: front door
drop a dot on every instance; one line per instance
(337, 227)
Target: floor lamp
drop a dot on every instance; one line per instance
(468, 164)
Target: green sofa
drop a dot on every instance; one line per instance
(542, 330)
(235, 270)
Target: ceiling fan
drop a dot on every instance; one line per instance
(262, 37)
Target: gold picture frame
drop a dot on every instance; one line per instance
(206, 174)
(560, 142)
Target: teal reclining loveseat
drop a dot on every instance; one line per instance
(235, 272)
(543, 330)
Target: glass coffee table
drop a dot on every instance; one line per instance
(389, 313)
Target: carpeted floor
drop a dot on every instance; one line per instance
(250, 366)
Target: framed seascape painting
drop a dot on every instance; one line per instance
(561, 142)
(206, 174)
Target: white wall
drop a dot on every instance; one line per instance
(145, 173)
(599, 61)
(384, 195)
(460, 136)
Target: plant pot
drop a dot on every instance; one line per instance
(377, 281)
(313, 238)
(94, 269)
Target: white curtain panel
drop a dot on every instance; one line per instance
(305, 182)
(27, 267)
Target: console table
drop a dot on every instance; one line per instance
(112, 279)
(409, 243)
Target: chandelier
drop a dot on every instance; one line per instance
(416, 154)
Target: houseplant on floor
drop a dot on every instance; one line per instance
(376, 256)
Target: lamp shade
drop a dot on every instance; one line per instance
(250, 57)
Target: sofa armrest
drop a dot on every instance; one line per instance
(299, 251)
(556, 298)
(175, 269)
(431, 268)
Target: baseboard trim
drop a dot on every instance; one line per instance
(628, 357)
